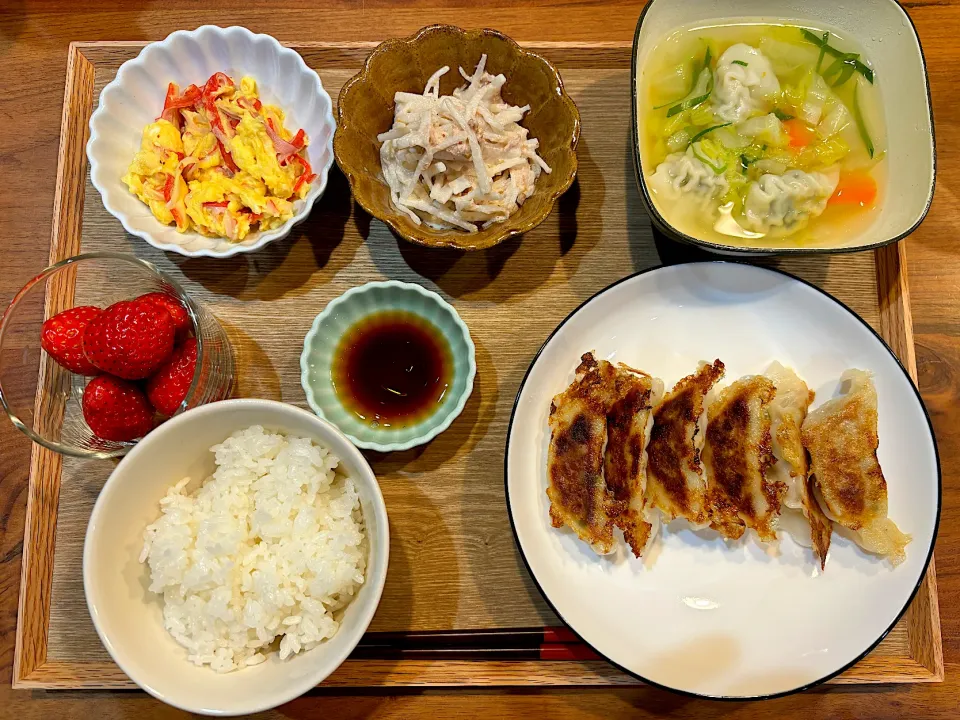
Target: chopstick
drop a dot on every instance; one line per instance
(548, 652)
(548, 643)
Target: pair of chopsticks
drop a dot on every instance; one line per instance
(521, 644)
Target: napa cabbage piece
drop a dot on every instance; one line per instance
(745, 84)
(730, 138)
(817, 156)
(765, 130)
(814, 102)
(700, 93)
(782, 204)
(675, 133)
(676, 82)
(790, 60)
(835, 122)
(816, 99)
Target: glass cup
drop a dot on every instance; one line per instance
(42, 398)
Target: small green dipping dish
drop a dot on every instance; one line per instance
(332, 336)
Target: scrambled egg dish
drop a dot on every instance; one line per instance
(219, 162)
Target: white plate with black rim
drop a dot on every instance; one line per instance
(700, 615)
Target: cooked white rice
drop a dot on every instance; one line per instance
(270, 546)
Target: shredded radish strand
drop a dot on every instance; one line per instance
(459, 161)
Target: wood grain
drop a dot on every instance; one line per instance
(34, 37)
(896, 327)
(43, 500)
(494, 592)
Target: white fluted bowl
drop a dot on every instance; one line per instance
(135, 98)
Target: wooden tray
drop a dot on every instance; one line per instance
(453, 564)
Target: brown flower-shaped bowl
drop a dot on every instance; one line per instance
(365, 109)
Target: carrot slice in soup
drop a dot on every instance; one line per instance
(855, 188)
(800, 133)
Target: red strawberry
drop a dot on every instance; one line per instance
(116, 409)
(181, 319)
(168, 387)
(61, 336)
(130, 339)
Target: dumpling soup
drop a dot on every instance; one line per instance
(768, 135)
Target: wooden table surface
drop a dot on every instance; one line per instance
(34, 35)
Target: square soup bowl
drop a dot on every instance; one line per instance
(885, 32)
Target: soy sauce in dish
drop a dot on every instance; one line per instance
(392, 368)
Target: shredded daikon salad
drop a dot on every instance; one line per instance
(462, 160)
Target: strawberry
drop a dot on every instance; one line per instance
(116, 409)
(181, 319)
(61, 336)
(168, 387)
(130, 339)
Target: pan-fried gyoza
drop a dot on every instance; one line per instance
(578, 434)
(597, 458)
(629, 422)
(841, 437)
(737, 455)
(624, 456)
(787, 412)
(675, 482)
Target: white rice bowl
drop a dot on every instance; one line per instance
(263, 555)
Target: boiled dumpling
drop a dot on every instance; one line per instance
(745, 84)
(683, 175)
(781, 204)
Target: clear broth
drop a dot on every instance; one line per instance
(839, 223)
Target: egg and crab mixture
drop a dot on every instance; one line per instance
(219, 162)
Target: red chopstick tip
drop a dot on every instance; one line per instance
(555, 651)
(559, 635)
